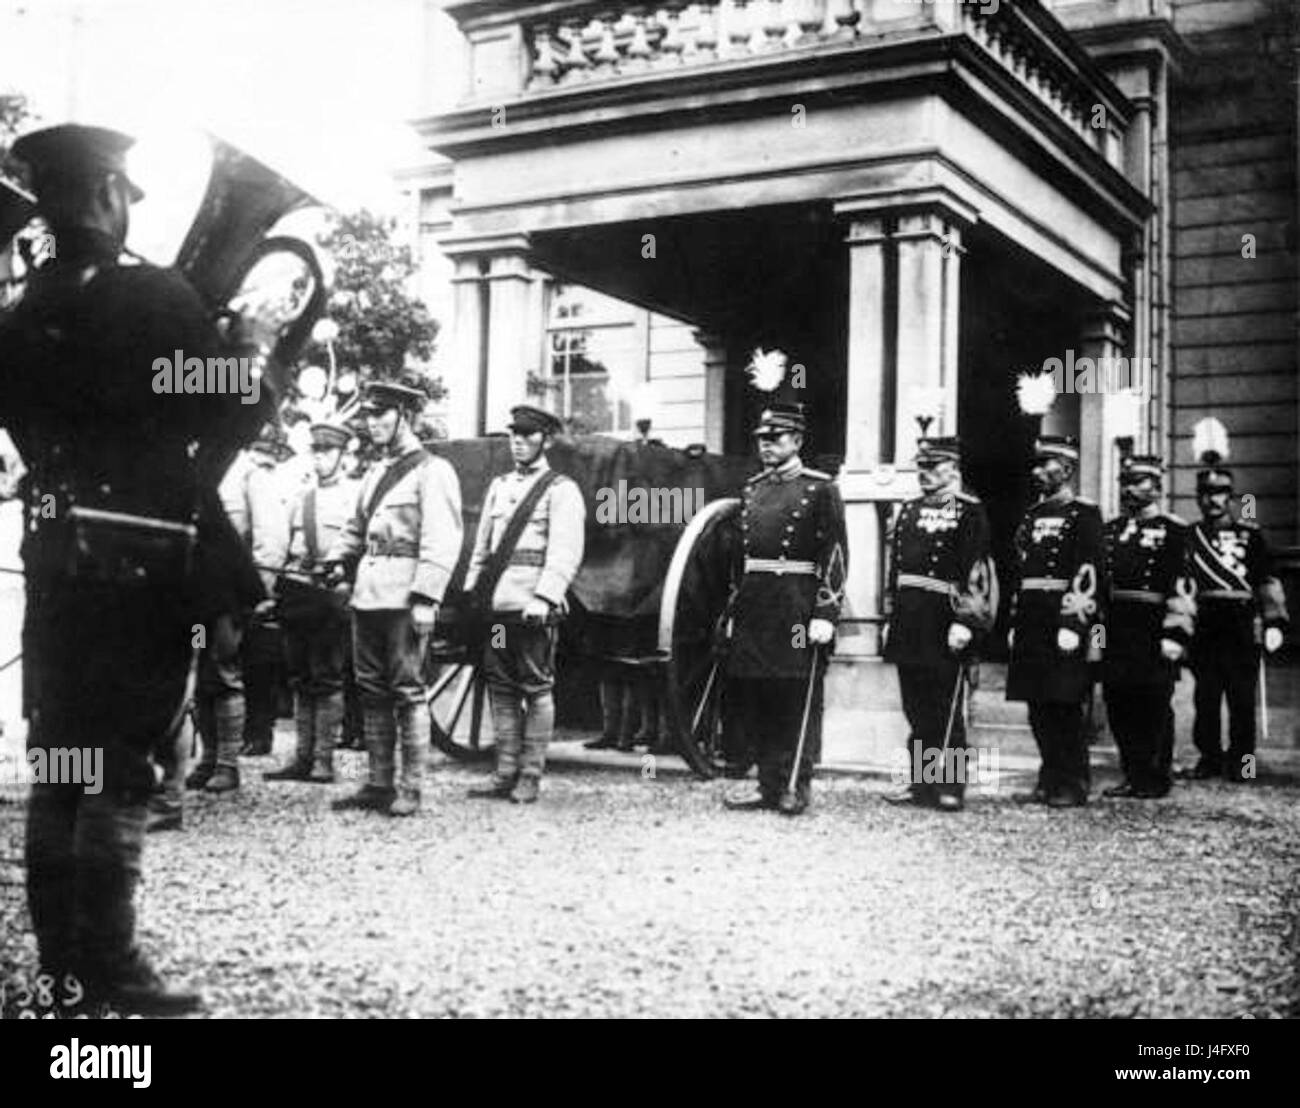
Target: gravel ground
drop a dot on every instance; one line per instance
(624, 896)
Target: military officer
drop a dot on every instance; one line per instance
(112, 604)
(400, 545)
(315, 623)
(527, 581)
(795, 560)
(1239, 602)
(944, 598)
(1149, 622)
(1058, 563)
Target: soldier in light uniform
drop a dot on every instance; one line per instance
(944, 597)
(1149, 622)
(1058, 567)
(795, 561)
(401, 545)
(527, 602)
(1240, 602)
(317, 624)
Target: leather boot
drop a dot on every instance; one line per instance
(413, 729)
(300, 767)
(202, 773)
(381, 738)
(329, 727)
(229, 712)
(612, 705)
(539, 725)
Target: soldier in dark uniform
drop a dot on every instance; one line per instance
(795, 561)
(111, 609)
(1239, 603)
(944, 597)
(1149, 622)
(1058, 567)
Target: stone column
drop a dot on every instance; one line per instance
(465, 370)
(1104, 414)
(929, 256)
(508, 332)
(867, 487)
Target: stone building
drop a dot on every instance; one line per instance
(916, 200)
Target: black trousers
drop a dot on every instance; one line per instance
(1142, 722)
(1220, 673)
(928, 694)
(1058, 731)
(769, 712)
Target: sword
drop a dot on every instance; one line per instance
(1263, 696)
(959, 686)
(803, 726)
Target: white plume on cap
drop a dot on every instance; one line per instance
(767, 370)
(1210, 441)
(1035, 393)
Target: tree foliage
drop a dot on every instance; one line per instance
(382, 327)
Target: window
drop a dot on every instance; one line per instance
(594, 360)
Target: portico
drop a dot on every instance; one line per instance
(916, 202)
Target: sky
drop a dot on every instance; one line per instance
(319, 89)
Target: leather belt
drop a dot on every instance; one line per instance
(780, 566)
(930, 584)
(1044, 584)
(1227, 594)
(1141, 596)
(528, 558)
(394, 548)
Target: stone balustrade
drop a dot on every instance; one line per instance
(570, 45)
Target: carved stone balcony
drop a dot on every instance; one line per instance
(570, 54)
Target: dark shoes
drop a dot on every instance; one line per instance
(225, 779)
(255, 748)
(1203, 771)
(370, 798)
(605, 742)
(1128, 791)
(163, 816)
(1066, 798)
(136, 989)
(1038, 795)
(200, 777)
(497, 788)
(1122, 791)
(294, 771)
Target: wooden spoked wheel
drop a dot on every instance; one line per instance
(456, 694)
(694, 632)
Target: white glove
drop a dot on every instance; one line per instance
(959, 637)
(1171, 651)
(537, 611)
(424, 616)
(820, 631)
(1067, 641)
(1272, 638)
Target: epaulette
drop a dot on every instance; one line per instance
(1085, 501)
(815, 474)
(966, 497)
(1174, 518)
(756, 478)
